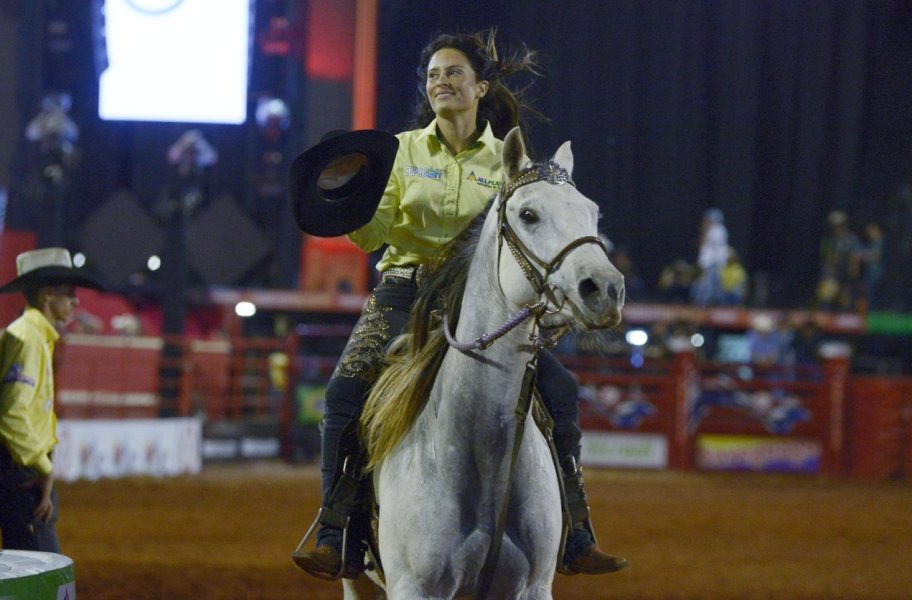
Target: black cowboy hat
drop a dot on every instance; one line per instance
(331, 202)
(48, 266)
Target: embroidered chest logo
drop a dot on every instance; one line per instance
(483, 181)
(16, 375)
(424, 172)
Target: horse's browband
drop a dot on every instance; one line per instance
(549, 171)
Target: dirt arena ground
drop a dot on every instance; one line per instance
(228, 534)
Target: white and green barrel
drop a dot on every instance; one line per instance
(27, 575)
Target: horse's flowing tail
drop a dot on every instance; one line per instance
(399, 395)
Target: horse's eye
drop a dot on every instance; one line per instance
(527, 215)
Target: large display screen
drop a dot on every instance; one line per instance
(175, 60)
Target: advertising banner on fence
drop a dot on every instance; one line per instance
(120, 447)
(630, 450)
(227, 440)
(755, 453)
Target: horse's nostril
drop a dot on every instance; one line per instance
(588, 288)
(596, 299)
(616, 293)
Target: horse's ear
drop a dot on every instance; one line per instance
(564, 157)
(514, 153)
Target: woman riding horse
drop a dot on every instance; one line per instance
(444, 174)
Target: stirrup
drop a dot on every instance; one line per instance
(336, 511)
(342, 563)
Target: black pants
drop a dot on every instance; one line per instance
(20, 529)
(385, 317)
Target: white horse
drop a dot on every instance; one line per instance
(468, 508)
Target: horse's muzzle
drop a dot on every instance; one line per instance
(603, 299)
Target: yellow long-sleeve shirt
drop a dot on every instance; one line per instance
(28, 425)
(431, 196)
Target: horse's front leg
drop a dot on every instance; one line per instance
(535, 518)
(424, 552)
(538, 592)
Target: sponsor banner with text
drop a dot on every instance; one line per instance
(757, 453)
(628, 450)
(108, 448)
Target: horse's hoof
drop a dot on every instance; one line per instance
(324, 563)
(593, 561)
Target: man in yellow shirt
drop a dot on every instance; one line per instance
(28, 425)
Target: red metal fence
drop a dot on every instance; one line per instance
(818, 419)
(131, 377)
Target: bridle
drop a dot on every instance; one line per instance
(528, 261)
(553, 173)
(537, 270)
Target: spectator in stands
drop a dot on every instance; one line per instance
(806, 341)
(768, 344)
(620, 258)
(28, 499)
(869, 266)
(680, 337)
(733, 280)
(668, 337)
(656, 346)
(838, 266)
(711, 259)
(676, 280)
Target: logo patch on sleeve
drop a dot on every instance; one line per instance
(16, 374)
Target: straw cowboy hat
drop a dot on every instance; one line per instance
(47, 266)
(335, 186)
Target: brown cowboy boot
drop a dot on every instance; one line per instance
(581, 552)
(343, 523)
(586, 557)
(324, 562)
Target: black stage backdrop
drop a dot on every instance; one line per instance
(776, 112)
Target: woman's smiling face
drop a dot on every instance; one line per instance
(452, 86)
